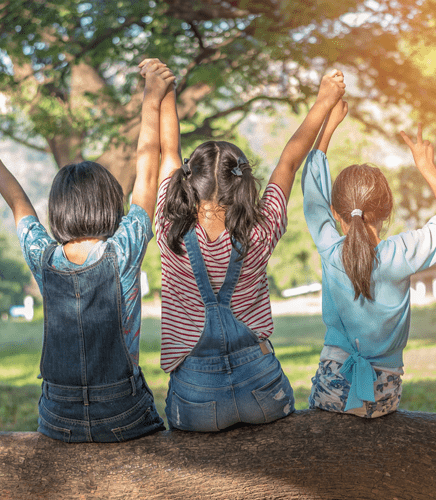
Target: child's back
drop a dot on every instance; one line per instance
(250, 301)
(366, 285)
(216, 238)
(93, 388)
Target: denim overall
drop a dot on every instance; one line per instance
(229, 376)
(90, 389)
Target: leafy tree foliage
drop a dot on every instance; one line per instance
(414, 201)
(69, 67)
(69, 71)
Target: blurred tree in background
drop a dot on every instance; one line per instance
(69, 71)
(414, 201)
(69, 67)
(14, 275)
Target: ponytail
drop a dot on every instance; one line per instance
(358, 256)
(361, 196)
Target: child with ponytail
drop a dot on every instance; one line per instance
(365, 280)
(216, 236)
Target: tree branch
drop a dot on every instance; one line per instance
(207, 55)
(182, 84)
(246, 105)
(197, 34)
(28, 144)
(206, 128)
(207, 10)
(108, 34)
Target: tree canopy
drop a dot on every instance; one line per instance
(69, 70)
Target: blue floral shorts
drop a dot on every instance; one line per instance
(330, 392)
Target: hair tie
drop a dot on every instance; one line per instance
(242, 160)
(356, 211)
(185, 167)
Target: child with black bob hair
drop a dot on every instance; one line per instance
(85, 200)
(93, 388)
(365, 279)
(216, 236)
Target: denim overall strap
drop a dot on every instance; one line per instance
(229, 376)
(200, 272)
(232, 276)
(84, 341)
(222, 333)
(48, 252)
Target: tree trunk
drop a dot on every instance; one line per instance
(309, 455)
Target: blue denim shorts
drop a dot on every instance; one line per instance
(113, 414)
(210, 394)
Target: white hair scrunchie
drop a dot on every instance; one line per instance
(356, 211)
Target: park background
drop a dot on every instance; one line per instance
(247, 72)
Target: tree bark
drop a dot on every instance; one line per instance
(309, 455)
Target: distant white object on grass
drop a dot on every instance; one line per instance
(25, 311)
(145, 288)
(302, 290)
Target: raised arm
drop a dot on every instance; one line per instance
(331, 89)
(157, 79)
(169, 135)
(333, 119)
(423, 155)
(14, 195)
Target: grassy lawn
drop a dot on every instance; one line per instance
(297, 340)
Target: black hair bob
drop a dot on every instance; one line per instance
(85, 201)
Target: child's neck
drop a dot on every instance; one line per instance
(77, 250)
(211, 218)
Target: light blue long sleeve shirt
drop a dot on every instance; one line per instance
(372, 332)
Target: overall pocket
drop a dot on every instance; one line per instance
(135, 429)
(187, 416)
(140, 420)
(276, 398)
(53, 431)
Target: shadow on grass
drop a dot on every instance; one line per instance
(15, 332)
(301, 395)
(19, 407)
(151, 370)
(28, 345)
(302, 355)
(419, 396)
(298, 330)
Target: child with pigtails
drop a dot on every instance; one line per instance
(216, 236)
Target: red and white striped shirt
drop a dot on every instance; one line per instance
(183, 311)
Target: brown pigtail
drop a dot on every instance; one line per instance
(218, 172)
(180, 209)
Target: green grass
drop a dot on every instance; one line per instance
(297, 340)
